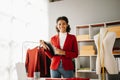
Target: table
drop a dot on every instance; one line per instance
(59, 79)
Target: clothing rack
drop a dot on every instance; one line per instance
(39, 61)
(28, 42)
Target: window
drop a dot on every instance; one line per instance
(20, 20)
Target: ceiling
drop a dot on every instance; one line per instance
(54, 0)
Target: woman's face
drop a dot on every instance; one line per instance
(62, 26)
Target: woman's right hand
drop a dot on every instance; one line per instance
(42, 43)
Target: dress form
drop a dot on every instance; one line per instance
(104, 42)
(109, 61)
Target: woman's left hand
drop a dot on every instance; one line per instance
(59, 51)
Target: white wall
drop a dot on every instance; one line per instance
(82, 12)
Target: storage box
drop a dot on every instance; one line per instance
(87, 52)
(115, 29)
(87, 47)
(82, 37)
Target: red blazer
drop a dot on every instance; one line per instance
(36, 61)
(71, 51)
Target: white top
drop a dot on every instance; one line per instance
(62, 37)
(104, 42)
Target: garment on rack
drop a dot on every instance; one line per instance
(104, 42)
(37, 61)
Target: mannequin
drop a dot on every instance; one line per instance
(104, 42)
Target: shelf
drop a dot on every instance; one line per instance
(99, 24)
(112, 23)
(86, 55)
(116, 53)
(86, 64)
(85, 71)
(96, 55)
(118, 38)
(82, 26)
(88, 40)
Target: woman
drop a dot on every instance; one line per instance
(65, 47)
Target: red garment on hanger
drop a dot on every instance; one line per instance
(36, 61)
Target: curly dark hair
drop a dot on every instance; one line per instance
(66, 20)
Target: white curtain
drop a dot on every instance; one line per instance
(20, 21)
